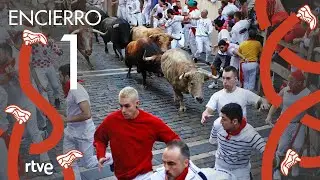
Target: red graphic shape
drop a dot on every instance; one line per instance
(19, 114)
(300, 63)
(65, 160)
(290, 160)
(44, 106)
(296, 108)
(262, 16)
(13, 151)
(266, 58)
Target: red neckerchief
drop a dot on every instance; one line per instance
(66, 87)
(183, 175)
(237, 131)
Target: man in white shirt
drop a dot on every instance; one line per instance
(134, 13)
(96, 3)
(146, 10)
(239, 31)
(176, 30)
(122, 9)
(228, 9)
(203, 33)
(236, 140)
(232, 93)
(230, 49)
(158, 8)
(177, 164)
(79, 132)
(194, 15)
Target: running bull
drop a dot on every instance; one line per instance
(136, 53)
(84, 38)
(118, 33)
(182, 73)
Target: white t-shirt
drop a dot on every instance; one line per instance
(224, 34)
(239, 32)
(204, 27)
(241, 96)
(174, 25)
(194, 14)
(228, 9)
(84, 129)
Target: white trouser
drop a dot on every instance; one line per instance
(155, 22)
(186, 34)
(235, 61)
(122, 12)
(47, 76)
(73, 141)
(146, 12)
(135, 19)
(239, 173)
(143, 176)
(203, 42)
(249, 75)
(192, 42)
(3, 104)
(177, 43)
(3, 160)
(287, 137)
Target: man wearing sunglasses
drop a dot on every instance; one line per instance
(131, 133)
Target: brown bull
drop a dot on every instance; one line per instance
(136, 52)
(182, 73)
(84, 38)
(158, 35)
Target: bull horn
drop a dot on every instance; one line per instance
(151, 58)
(76, 31)
(115, 26)
(207, 73)
(75, 1)
(99, 32)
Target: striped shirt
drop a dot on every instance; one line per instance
(235, 153)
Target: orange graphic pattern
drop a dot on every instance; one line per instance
(46, 108)
(295, 109)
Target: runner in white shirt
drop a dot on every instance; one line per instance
(122, 9)
(194, 15)
(231, 93)
(134, 13)
(146, 11)
(228, 9)
(231, 50)
(239, 31)
(203, 34)
(158, 8)
(79, 132)
(176, 30)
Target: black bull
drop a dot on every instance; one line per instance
(136, 53)
(118, 32)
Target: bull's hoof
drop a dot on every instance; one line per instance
(128, 75)
(121, 58)
(91, 67)
(117, 56)
(182, 109)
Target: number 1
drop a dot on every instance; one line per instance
(72, 38)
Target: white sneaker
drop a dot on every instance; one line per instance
(213, 85)
(276, 175)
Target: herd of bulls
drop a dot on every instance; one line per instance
(149, 50)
